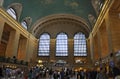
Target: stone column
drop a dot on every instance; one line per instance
(107, 21)
(1, 29)
(99, 44)
(12, 47)
(52, 50)
(71, 51)
(91, 47)
(26, 50)
(88, 52)
(32, 52)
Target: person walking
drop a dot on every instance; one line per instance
(102, 74)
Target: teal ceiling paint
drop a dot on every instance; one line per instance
(37, 9)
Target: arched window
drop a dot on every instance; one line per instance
(80, 45)
(12, 12)
(98, 4)
(44, 45)
(24, 24)
(62, 45)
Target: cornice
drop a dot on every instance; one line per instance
(104, 11)
(12, 22)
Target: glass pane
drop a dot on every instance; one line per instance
(44, 45)
(62, 45)
(80, 45)
(12, 12)
(24, 24)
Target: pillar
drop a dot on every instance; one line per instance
(32, 52)
(99, 44)
(91, 47)
(107, 21)
(12, 47)
(88, 52)
(1, 29)
(52, 50)
(96, 46)
(71, 51)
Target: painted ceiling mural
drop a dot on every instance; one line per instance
(37, 9)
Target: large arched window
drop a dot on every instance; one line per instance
(80, 45)
(24, 24)
(12, 12)
(44, 45)
(62, 45)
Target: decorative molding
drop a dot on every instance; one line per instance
(59, 18)
(92, 19)
(104, 11)
(13, 23)
(41, 28)
(28, 20)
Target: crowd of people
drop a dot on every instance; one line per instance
(64, 73)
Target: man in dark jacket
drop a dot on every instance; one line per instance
(1, 72)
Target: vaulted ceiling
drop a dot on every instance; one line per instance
(38, 9)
